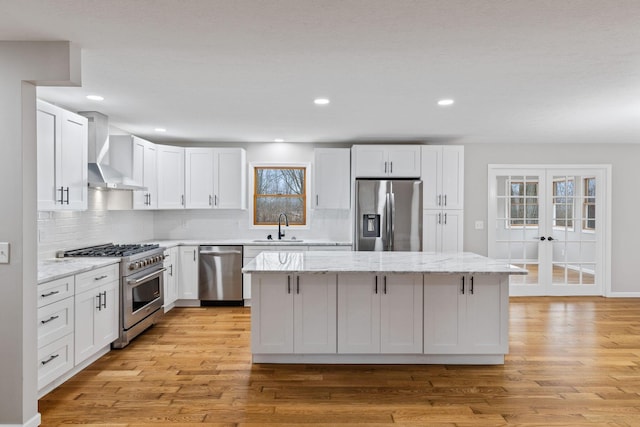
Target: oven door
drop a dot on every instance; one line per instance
(142, 294)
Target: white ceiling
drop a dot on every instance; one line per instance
(248, 70)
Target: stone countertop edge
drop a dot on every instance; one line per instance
(378, 262)
(56, 268)
(169, 243)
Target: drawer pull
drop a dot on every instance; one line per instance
(104, 276)
(49, 294)
(44, 322)
(53, 356)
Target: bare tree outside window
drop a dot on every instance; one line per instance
(279, 190)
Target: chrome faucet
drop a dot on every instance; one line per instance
(286, 222)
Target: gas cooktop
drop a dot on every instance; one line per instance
(108, 250)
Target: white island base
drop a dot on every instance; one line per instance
(390, 314)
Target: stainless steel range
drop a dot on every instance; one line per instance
(141, 285)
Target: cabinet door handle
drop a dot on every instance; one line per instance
(99, 306)
(316, 200)
(439, 218)
(385, 284)
(182, 200)
(215, 200)
(445, 200)
(471, 288)
(104, 303)
(104, 276)
(288, 284)
(171, 270)
(67, 190)
(61, 201)
(390, 167)
(445, 218)
(53, 356)
(377, 281)
(297, 284)
(210, 200)
(44, 322)
(385, 167)
(194, 255)
(439, 199)
(49, 294)
(462, 285)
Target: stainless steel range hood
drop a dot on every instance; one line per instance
(100, 174)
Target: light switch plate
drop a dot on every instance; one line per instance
(479, 225)
(4, 252)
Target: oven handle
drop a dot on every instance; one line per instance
(147, 277)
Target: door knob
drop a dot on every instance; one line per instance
(549, 238)
(543, 238)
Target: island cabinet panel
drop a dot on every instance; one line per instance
(314, 312)
(358, 313)
(272, 314)
(466, 314)
(380, 313)
(293, 313)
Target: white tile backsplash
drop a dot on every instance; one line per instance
(74, 229)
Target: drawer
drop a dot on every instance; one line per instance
(54, 360)
(97, 277)
(55, 321)
(253, 251)
(55, 290)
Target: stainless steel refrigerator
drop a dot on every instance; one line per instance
(388, 215)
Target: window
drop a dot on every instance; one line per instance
(589, 204)
(563, 196)
(523, 203)
(279, 190)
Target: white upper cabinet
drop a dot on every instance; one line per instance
(136, 158)
(198, 178)
(230, 178)
(62, 142)
(386, 161)
(216, 178)
(170, 177)
(443, 176)
(332, 178)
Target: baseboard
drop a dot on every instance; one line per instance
(624, 295)
(32, 422)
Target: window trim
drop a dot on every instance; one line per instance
(508, 205)
(307, 185)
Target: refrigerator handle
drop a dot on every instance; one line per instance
(387, 214)
(392, 214)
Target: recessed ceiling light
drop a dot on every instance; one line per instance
(95, 97)
(278, 140)
(160, 129)
(321, 101)
(445, 102)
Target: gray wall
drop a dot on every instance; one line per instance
(19, 62)
(625, 201)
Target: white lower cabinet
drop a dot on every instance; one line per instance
(442, 230)
(170, 277)
(188, 273)
(96, 314)
(380, 313)
(466, 314)
(294, 313)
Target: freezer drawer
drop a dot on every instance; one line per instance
(220, 274)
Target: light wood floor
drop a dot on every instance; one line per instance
(573, 362)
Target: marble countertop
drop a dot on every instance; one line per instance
(249, 242)
(56, 268)
(383, 262)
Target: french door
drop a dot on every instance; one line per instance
(550, 221)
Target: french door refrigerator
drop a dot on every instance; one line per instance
(388, 215)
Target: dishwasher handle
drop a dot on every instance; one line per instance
(219, 253)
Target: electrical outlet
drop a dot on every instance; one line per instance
(4, 252)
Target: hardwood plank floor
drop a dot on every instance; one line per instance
(574, 361)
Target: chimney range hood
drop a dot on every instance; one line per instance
(100, 174)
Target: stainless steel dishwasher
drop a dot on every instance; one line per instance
(220, 275)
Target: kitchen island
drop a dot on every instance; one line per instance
(379, 307)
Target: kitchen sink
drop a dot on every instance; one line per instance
(278, 241)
